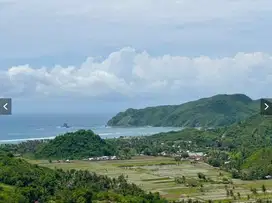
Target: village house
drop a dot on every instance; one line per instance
(268, 177)
(163, 154)
(196, 155)
(103, 158)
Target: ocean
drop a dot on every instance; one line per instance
(22, 127)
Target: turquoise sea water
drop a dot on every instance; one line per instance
(17, 128)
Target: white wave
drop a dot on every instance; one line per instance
(26, 139)
(103, 134)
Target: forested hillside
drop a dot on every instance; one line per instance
(219, 110)
(75, 145)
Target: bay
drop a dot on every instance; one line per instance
(22, 127)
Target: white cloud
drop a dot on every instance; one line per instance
(131, 74)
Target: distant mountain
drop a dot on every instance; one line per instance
(219, 110)
(75, 145)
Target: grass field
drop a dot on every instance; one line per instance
(157, 174)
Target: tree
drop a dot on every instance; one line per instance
(184, 155)
(126, 151)
(231, 193)
(202, 188)
(183, 179)
(254, 191)
(177, 159)
(10, 155)
(227, 192)
(201, 176)
(263, 188)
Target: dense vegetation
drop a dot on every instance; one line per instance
(22, 182)
(244, 148)
(75, 145)
(249, 145)
(170, 142)
(219, 110)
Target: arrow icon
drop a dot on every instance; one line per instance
(266, 106)
(5, 106)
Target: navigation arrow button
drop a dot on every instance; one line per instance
(266, 107)
(5, 106)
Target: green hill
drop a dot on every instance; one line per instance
(250, 145)
(252, 133)
(219, 110)
(75, 145)
(248, 136)
(261, 157)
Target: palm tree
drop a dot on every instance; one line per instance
(263, 188)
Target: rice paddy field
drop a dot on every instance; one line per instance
(158, 174)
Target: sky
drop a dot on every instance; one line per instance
(105, 56)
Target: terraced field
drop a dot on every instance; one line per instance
(157, 174)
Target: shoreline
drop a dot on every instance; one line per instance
(16, 141)
(103, 135)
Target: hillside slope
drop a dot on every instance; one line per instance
(75, 145)
(252, 133)
(249, 136)
(23, 182)
(219, 110)
(245, 146)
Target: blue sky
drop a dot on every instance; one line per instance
(105, 56)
